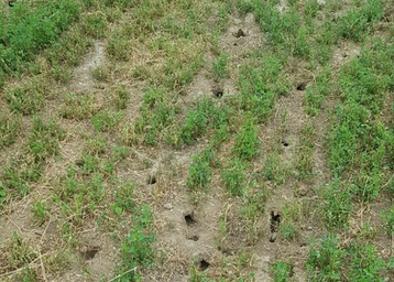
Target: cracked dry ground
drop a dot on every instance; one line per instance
(202, 141)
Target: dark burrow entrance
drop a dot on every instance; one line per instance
(189, 219)
(274, 225)
(151, 180)
(239, 33)
(301, 86)
(193, 237)
(285, 143)
(217, 91)
(203, 264)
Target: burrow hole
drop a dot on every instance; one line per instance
(275, 221)
(301, 86)
(151, 180)
(189, 219)
(285, 143)
(240, 33)
(203, 264)
(193, 237)
(217, 92)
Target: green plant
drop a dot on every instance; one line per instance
(123, 199)
(31, 27)
(101, 73)
(40, 211)
(77, 106)
(10, 126)
(288, 231)
(234, 178)
(136, 249)
(366, 265)
(95, 24)
(316, 93)
(325, 260)
(198, 121)
(305, 152)
(27, 98)
(281, 271)
(20, 253)
(106, 120)
(274, 169)
(122, 98)
(119, 47)
(388, 218)
(220, 66)
(157, 113)
(337, 204)
(17, 176)
(44, 139)
(200, 172)
(357, 21)
(260, 84)
(247, 141)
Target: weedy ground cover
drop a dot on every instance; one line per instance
(236, 140)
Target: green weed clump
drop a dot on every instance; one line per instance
(282, 271)
(366, 265)
(317, 92)
(205, 116)
(260, 86)
(247, 141)
(200, 172)
(358, 140)
(27, 98)
(337, 204)
(220, 66)
(157, 113)
(325, 261)
(355, 24)
(78, 106)
(30, 27)
(388, 218)
(106, 120)
(16, 178)
(234, 178)
(10, 126)
(44, 140)
(136, 250)
(274, 169)
(305, 153)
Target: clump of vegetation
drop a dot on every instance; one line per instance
(20, 253)
(10, 126)
(136, 249)
(44, 140)
(325, 261)
(31, 27)
(200, 171)
(220, 66)
(205, 116)
(106, 120)
(234, 178)
(157, 113)
(78, 106)
(282, 271)
(28, 98)
(260, 85)
(274, 169)
(316, 93)
(305, 153)
(122, 98)
(337, 204)
(247, 142)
